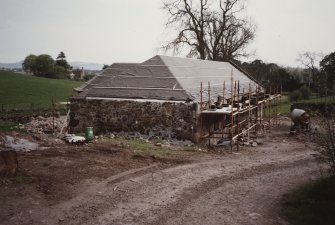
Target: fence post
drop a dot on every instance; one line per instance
(2, 112)
(53, 115)
(32, 109)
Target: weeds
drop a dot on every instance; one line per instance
(312, 204)
(7, 126)
(140, 146)
(144, 147)
(325, 140)
(20, 179)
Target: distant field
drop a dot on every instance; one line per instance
(20, 91)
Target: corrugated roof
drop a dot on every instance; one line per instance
(166, 77)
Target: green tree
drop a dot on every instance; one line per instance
(272, 75)
(89, 76)
(327, 66)
(77, 73)
(295, 95)
(305, 92)
(290, 82)
(61, 61)
(59, 73)
(29, 63)
(44, 66)
(105, 67)
(257, 69)
(61, 56)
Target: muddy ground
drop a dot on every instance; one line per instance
(104, 184)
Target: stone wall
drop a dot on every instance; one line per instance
(162, 119)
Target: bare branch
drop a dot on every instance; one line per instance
(215, 33)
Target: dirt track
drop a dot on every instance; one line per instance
(239, 188)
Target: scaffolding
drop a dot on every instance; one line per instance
(238, 114)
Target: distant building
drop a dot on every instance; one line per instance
(71, 75)
(82, 73)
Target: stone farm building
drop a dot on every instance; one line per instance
(170, 97)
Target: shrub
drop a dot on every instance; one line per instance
(305, 92)
(325, 140)
(311, 204)
(295, 95)
(59, 73)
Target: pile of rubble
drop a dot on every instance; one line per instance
(253, 141)
(49, 125)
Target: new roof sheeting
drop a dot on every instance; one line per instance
(150, 71)
(180, 77)
(191, 72)
(143, 82)
(113, 70)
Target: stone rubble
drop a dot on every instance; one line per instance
(40, 125)
(253, 141)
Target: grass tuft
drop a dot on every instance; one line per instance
(21, 179)
(140, 146)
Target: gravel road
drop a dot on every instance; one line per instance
(240, 188)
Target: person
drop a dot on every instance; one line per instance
(219, 102)
(300, 119)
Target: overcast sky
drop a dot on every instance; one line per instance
(107, 31)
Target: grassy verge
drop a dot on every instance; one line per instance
(315, 98)
(7, 126)
(285, 105)
(24, 91)
(312, 204)
(148, 148)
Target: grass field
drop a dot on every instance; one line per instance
(285, 105)
(20, 91)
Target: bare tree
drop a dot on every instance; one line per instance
(310, 60)
(212, 29)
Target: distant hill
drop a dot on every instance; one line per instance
(75, 65)
(86, 66)
(16, 65)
